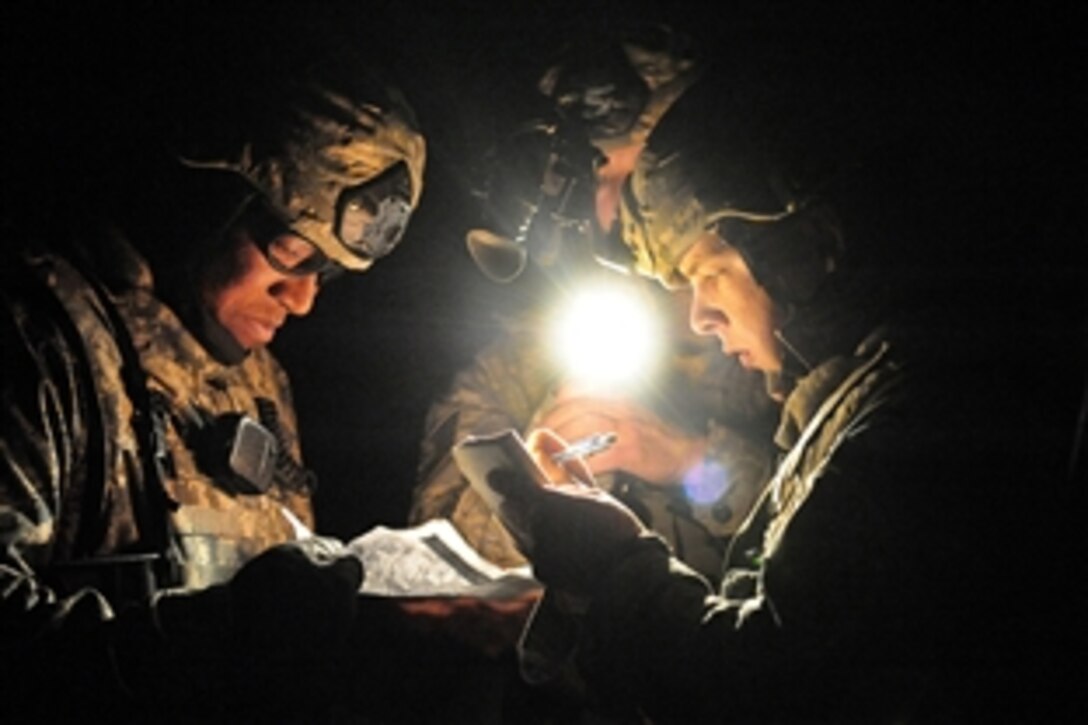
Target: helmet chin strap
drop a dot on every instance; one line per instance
(793, 350)
(779, 384)
(789, 314)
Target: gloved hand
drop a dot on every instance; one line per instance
(279, 620)
(574, 529)
(296, 599)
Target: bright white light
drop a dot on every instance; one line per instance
(606, 337)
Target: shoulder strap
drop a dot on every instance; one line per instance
(150, 502)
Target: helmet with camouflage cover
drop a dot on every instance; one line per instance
(616, 88)
(700, 174)
(335, 153)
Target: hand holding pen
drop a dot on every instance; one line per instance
(566, 462)
(585, 447)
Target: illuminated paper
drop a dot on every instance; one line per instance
(433, 560)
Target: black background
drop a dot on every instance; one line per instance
(1004, 81)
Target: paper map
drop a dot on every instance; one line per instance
(432, 560)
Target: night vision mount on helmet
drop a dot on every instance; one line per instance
(537, 196)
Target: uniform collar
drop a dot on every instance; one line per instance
(815, 387)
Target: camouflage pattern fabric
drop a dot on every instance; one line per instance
(219, 530)
(666, 66)
(699, 169)
(327, 141)
(69, 449)
(501, 389)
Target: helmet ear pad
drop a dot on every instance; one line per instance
(793, 257)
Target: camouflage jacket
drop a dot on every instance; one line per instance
(511, 382)
(78, 511)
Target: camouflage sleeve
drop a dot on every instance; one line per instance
(43, 455)
(502, 388)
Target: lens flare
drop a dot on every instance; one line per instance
(706, 482)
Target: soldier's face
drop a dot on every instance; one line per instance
(726, 301)
(257, 298)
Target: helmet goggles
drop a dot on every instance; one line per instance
(286, 251)
(370, 221)
(371, 217)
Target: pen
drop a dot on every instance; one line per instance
(585, 447)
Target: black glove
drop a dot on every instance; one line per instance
(571, 531)
(281, 623)
(296, 600)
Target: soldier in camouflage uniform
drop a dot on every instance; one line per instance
(151, 472)
(612, 94)
(874, 581)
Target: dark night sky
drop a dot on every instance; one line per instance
(1005, 82)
